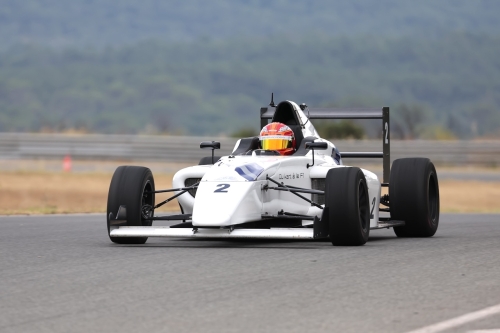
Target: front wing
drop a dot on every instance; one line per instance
(274, 233)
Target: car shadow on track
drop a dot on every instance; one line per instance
(224, 243)
(380, 238)
(250, 243)
(234, 243)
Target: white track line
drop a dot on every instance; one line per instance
(495, 330)
(458, 321)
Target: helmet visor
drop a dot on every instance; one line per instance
(275, 143)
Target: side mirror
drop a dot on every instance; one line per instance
(212, 145)
(316, 145)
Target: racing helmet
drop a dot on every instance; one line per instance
(279, 137)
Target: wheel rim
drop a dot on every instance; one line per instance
(363, 205)
(147, 203)
(433, 200)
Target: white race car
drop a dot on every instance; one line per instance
(256, 193)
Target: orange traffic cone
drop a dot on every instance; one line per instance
(67, 163)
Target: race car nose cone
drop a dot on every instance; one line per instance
(224, 204)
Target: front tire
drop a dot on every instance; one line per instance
(347, 199)
(414, 197)
(133, 187)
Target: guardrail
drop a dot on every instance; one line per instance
(186, 148)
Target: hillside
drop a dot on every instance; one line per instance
(198, 67)
(63, 23)
(218, 86)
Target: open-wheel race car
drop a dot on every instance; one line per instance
(259, 193)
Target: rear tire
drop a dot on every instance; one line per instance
(347, 199)
(414, 197)
(127, 188)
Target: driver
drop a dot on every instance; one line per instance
(279, 137)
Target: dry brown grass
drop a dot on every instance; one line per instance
(469, 196)
(28, 192)
(57, 192)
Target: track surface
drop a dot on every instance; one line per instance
(62, 274)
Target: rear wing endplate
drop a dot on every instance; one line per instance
(267, 113)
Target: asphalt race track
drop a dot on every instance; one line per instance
(62, 274)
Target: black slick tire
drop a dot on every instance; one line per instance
(347, 199)
(131, 187)
(414, 197)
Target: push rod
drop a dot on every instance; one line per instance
(171, 190)
(293, 190)
(178, 194)
(288, 217)
(171, 217)
(300, 196)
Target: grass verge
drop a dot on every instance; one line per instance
(28, 192)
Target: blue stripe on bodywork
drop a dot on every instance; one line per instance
(249, 171)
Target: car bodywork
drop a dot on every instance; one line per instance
(257, 194)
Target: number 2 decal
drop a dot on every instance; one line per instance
(386, 132)
(222, 188)
(373, 207)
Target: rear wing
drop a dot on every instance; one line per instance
(267, 113)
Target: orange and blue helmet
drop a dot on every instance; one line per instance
(279, 137)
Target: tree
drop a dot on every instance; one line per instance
(344, 129)
(408, 121)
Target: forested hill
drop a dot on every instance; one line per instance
(105, 22)
(219, 86)
(199, 67)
